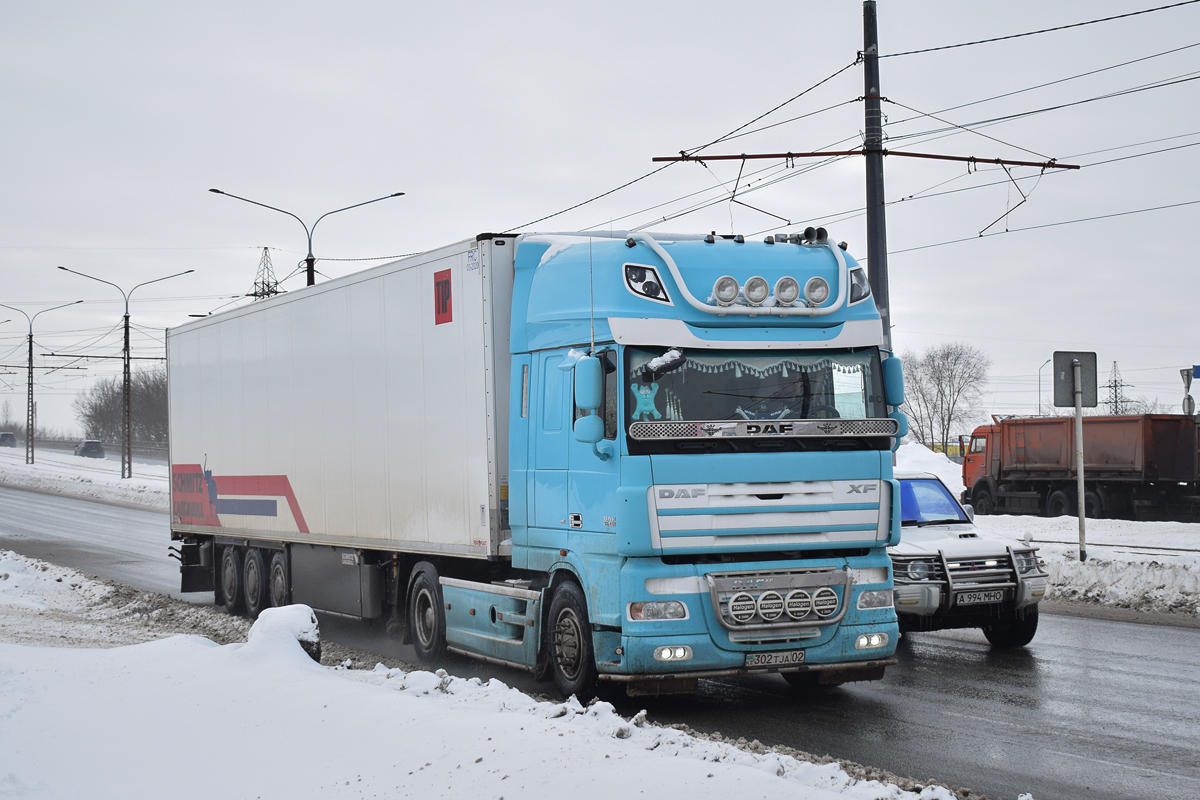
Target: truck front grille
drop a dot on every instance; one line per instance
(759, 607)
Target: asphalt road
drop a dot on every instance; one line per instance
(1093, 708)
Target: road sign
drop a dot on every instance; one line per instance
(1064, 378)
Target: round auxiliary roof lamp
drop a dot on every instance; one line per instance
(726, 290)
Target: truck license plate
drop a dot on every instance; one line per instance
(975, 598)
(777, 659)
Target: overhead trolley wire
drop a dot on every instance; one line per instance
(1043, 30)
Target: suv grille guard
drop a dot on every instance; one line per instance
(721, 587)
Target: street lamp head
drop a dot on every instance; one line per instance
(216, 191)
(397, 194)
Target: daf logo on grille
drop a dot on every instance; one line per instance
(748, 583)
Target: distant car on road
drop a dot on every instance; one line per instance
(948, 576)
(8, 439)
(89, 448)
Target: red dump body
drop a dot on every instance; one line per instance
(1017, 462)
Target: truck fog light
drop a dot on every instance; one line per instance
(870, 641)
(798, 603)
(875, 598)
(787, 291)
(756, 291)
(742, 607)
(656, 610)
(673, 653)
(770, 606)
(726, 290)
(816, 291)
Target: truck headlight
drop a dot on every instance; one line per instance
(816, 291)
(657, 609)
(870, 641)
(875, 598)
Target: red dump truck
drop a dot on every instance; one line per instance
(1135, 467)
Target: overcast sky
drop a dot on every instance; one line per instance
(118, 118)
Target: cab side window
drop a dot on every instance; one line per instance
(978, 444)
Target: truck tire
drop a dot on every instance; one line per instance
(1059, 504)
(1016, 631)
(1092, 507)
(231, 580)
(569, 637)
(255, 582)
(983, 502)
(279, 593)
(427, 614)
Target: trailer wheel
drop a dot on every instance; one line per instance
(1016, 631)
(279, 592)
(231, 580)
(1058, 504)
(1092, 507)
(427, 614)
(255, 582)
(983, 502)
(570, 638)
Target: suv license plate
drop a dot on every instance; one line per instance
(776, 659)
(975, 598)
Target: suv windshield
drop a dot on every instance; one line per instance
(925, 501)
(739, 385)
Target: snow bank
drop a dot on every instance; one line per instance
(60, 472)
(916, 457)
(1125, 567)
(264, 720)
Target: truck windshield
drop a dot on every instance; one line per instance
(739, 385)
(927, 501)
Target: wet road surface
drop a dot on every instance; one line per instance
(1091, 709)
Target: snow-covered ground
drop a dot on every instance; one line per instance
(117, 707)
(62, 472)
(1125, 568)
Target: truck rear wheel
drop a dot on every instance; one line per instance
(570, 638)
(1092, 506)
(231, 580)
(427, 614)
(1016, 631)
(254, 579)
(1059, 504)
(279, 592)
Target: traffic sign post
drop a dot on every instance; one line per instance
(1075, 384)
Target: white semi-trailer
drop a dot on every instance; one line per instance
(552, 452)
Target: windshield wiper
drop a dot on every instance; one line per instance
(921, 523)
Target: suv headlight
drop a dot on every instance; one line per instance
(1025, 561)
(919, 570)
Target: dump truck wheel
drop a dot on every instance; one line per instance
(231, 580)
(570, 639)
(1092, 506)
(1058, 504)
(427, 614)
(983, 502)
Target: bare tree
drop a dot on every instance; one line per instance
(943, 387)
(101, 409)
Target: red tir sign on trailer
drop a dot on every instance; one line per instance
(442, 309)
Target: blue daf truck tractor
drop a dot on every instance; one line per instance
(617, 458)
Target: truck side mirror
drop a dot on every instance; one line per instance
(901, 427)
(893, 382)
(589, 429)
(589, 385)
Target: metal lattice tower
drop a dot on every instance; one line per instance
(1117, 402)
(265, 284)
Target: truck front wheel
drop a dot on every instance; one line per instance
(983, 502)
(1016, 631)
(570, 639)
(426, 614)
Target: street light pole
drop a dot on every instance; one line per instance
(126, 393)
(1043, 366)
(30, 421)
(310, 260)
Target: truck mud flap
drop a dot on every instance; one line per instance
(495, 623)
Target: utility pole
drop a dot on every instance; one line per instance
(265, 284)
(30, 408)
(1116, 401)
(872, 150)
(126, 384)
